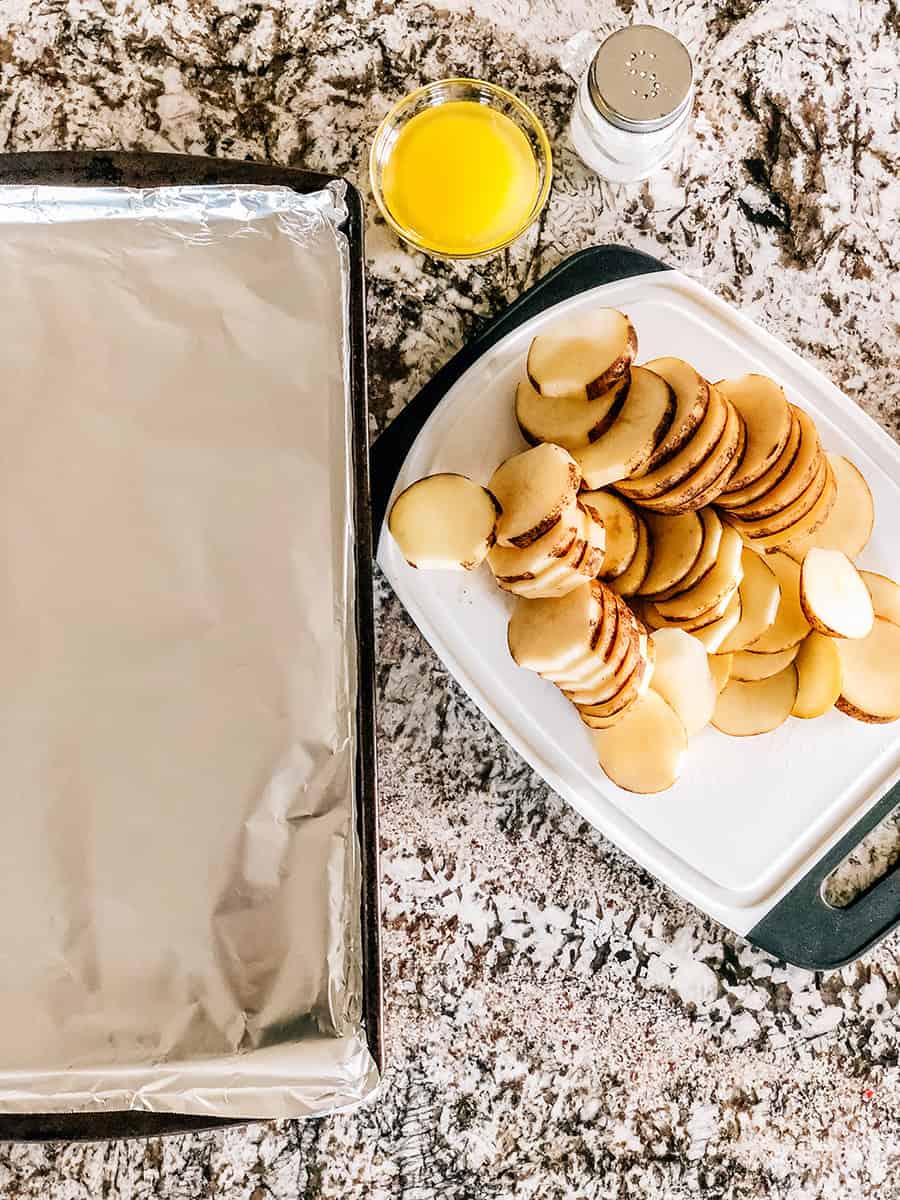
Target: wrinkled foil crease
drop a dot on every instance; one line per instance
(180, 870)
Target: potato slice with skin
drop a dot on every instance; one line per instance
(790, 625)
(637, 685)
(760, 597)
(712, 636)
(685, 462)
(706, 559)
(834, 599)
(629, 581)
(795, 480)
(444, 522)
(870, 688)
(603, 660)
(513, 564)
(566, 420)
(848, 526)
(653, 620)
(560, 570)
(813, 519)
(724, 577)
(628, 443)
(582, 355)
(767, 416)
(750, 665)
(819, 673)
(885, 595)
(606, 689)
(704, 485)
(739, 496)
(622, 531)
(691, 392)
(720, 669)
(794, 512)
(644, 752)
(534, 489)
(747, 709)
(683, 678)
(677, 542)
(550, 635)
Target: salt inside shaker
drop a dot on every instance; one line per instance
(633, 104)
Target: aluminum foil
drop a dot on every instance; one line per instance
(181, 878)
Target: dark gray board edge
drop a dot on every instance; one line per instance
(801, 928)
(136, 169)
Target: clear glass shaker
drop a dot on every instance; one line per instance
(634, 103)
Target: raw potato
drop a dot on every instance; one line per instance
(791, 514)
(819, 671)
(636, 685)
(610, 686)
(746, 709)
(686, 461)
(511, 564)
(706, 482)
(712, 636)
(582, 355)
(608, 646)
(813, 519)
(870, 690)
(629, 581)
(885, 595)
(622, 530)
(444, 522)
(655, 620)
(581, 563)
(683, 678)
(644, 751)
(720, 582)
(550, 635)
(533, 489)
(795, 480)
(566, 420)
(760, 596)
(848, 526)
(720, 669)
(767, 417)
(628, 443)
(706, 559)
(777, 471)
(677, 542)
(791, 625)
(691, 392)
(750, 665)
(835, 600)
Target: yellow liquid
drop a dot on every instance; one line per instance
(461, 177)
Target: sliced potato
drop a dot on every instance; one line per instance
(629, 581)
(848, 526)
(806, 525)
(795, 480)
(819, 672)
(691, 392)
(567, 420)
(582, 562)
(750, 665)
(711, 636)
(677, 542)
(735, 498)
(596, 715)
(885, 595)
(795, 511)
(745, 709)
(607, 689)
(444, 522)
(629, 442)
(706, 559)
(550, 635)
(835, 600)
(622, 532)
(685, 462)
(760, 597)
(790, 625)
(704, 484)
(870, 688)
(644, 751)
(721, 581)
(534, 489)
(683, 678)
(767, 417)
(607, 646)
(599, 667)
(582, 355)
(720, 669)
(514, 564)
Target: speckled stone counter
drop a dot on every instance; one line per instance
(559, 1024)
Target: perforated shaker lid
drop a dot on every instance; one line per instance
(641, 78)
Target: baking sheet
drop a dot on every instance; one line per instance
(181, 932)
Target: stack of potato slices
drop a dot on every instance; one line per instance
(681, 552)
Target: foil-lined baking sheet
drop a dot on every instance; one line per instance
(179, 862)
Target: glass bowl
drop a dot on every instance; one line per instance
(442, 92)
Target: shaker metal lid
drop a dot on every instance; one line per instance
(641, 78)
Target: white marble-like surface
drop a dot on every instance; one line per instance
(559, 1024)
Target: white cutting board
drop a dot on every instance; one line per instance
(750, 815)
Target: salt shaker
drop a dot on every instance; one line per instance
(633, 104)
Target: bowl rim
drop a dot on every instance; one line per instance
(411, 98)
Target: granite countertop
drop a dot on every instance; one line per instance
(559, 1024)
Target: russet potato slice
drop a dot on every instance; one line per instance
(760, 597)
(444, 522)
(534, 489)
(645, 750)
(819, 673)
(582, 354)
(746, 709)
(677, 542)
(870, 687)
(848, 526)
(628, 443)
(767, 417)
(834, 599)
